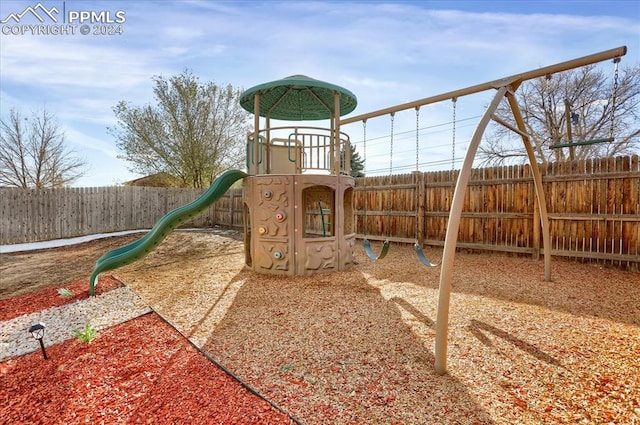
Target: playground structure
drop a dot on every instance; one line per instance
(298, 215)
(298, 199)
(298, 195)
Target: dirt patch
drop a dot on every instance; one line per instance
(30, 271)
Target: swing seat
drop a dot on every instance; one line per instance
(367, 248)
(423, 258)
(582, 142)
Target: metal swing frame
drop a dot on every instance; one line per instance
(505, 88)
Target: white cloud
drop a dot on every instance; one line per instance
(86, 142)
(175, 50)
(182, 33)
(60, 65)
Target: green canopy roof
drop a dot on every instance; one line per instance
(298, 98)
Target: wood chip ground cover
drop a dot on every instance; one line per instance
(357, 347)
(141, 371)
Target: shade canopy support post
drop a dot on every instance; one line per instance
(335, 121)
(256, 134)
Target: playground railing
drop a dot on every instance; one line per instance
(300, 149)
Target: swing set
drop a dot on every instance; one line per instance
(504, 88)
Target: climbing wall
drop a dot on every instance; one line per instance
(272, 224)
(283, 239)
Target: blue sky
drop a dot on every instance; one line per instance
(385, 52)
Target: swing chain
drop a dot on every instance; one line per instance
(417, 246)
(364, 130)
(614, 95)
(417, 200)
(453, 142)
(417, 135)
(391, 145)
(548, 108)
(389, 204)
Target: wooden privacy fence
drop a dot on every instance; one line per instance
(43, 214)
(594, 210)
(593, 206)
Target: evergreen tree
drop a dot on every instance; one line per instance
(357, 163)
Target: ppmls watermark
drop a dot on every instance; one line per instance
(60, 20)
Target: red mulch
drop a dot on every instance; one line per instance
(141, 371)
(47, 298)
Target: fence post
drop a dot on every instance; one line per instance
(231, 204)
(536, 229)
(214, 213)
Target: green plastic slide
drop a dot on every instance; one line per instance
(136, 250)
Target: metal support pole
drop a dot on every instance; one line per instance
(336, 133)
(44, 352)
(446, 273)
(537, 179)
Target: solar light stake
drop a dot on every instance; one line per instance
(37, 331)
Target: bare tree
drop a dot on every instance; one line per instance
(33, 153)
(194, 132)
(596, 112)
